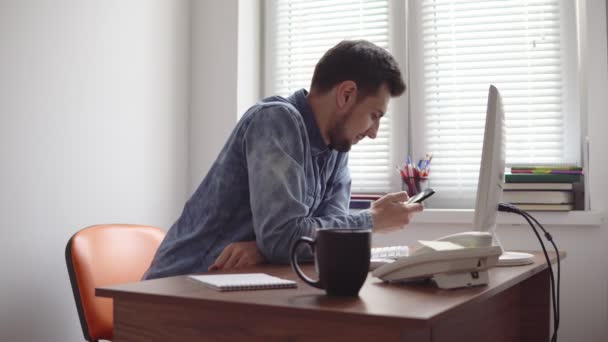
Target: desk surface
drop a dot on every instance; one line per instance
(411, 304)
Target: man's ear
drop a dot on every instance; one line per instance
(346, 95)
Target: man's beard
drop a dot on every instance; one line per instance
(337, 137)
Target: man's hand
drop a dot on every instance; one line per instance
(391, 211)
(236, 255)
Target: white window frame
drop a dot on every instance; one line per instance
(401, 143)
(571, 107)
(269, 11)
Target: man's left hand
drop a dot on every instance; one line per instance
(237, 255)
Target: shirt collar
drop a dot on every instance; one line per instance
(299, 100)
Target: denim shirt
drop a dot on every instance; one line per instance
(274, 181)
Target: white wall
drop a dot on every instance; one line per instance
(93, 127)
(213, 109)
(249, 63)
(225, 49)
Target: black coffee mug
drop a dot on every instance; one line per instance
(342, 260)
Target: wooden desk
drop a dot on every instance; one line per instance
(515, 306)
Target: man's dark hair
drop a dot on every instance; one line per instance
(368, 65)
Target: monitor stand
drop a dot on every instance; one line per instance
(510, 258)
(515, 259)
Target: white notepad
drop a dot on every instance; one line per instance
(246, 281)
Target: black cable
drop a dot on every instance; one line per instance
(552, 281)
(513, 209)
(555, 297)
(555, 290)
(550, 239)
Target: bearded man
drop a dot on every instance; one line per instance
(283, 172)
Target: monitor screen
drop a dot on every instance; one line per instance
(491, 179)
(492, 167)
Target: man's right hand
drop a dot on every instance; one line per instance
(237, 255)
(390, 211)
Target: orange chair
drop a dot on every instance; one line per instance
(106, 255)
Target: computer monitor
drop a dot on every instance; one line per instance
(491, 178)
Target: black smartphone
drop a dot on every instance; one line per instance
(421, 196)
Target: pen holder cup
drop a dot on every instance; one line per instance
(414, 185)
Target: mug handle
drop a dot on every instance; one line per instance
(294, 261)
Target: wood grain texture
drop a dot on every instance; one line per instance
(536, 299)
(184, 321)
(513, 307)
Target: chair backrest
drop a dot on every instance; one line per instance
(105, 255)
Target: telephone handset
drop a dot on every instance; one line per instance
(458, 260)
(464, 239)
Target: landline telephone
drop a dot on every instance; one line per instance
(457, 260)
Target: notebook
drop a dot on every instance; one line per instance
(246, 281)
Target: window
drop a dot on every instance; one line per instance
(454, 50)
(298, 33)
(459, 48)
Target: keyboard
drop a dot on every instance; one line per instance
(386, 255)
(390, 252)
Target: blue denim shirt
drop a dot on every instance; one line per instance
(274, 181)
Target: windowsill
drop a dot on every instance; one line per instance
(588, 218)
(465, 216)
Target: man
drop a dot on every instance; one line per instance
(283, 171)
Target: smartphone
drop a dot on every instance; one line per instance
(421, 196)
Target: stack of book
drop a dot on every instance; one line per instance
(544, 187)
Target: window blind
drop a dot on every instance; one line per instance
(298, 33)
(468, 45)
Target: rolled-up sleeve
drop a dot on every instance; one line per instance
(274, 145)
